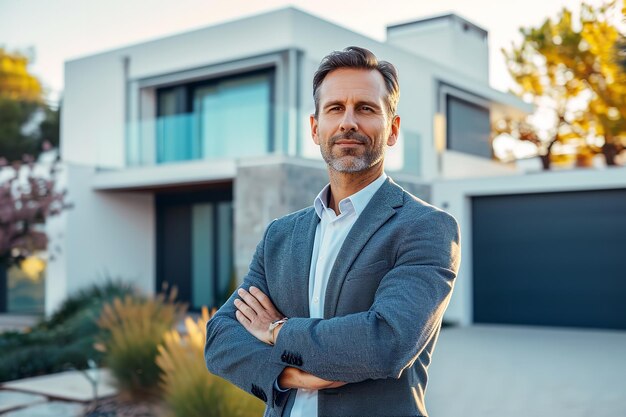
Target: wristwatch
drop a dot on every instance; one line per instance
(274, 325)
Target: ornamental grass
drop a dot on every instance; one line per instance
(133, 328)
(189, 390)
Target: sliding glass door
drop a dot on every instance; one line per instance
(195, 246)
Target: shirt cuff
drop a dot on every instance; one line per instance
(277, 388)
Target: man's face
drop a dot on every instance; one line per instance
(353, 127)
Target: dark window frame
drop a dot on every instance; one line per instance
(185, 100)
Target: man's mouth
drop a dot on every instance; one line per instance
(349, 139)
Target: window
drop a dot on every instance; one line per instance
(220, 118)
(468, 127)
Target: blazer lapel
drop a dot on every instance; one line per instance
(380, 209)
(303, 239)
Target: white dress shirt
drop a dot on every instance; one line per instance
(329, 237)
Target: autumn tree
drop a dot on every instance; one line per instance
(621, 51)
(569, 71)
(28, 124)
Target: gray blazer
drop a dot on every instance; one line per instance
(385, 300)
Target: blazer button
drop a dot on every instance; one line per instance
(298, 361)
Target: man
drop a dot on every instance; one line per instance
(342, 306)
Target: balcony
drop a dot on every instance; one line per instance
(246, 130)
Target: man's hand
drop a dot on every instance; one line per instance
(296, 378)
(255, 312)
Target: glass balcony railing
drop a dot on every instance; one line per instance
(248, 131)
(222, 133)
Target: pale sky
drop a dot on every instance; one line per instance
(57, 30)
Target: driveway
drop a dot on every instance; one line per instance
(518, 371)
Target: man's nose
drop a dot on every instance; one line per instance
(348, 122)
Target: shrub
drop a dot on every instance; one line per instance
(91, 298)
(37, 360)
(62, 342)
(189, 389)
(133, 329)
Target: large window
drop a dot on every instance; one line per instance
(220, 118)
(468, 127)
(195, 246)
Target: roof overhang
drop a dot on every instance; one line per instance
(150, 178)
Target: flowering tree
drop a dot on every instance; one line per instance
(25, 204)
(27, 199)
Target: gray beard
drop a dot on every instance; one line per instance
(351, 164)
(348, 163)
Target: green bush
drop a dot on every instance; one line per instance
(91, 298)
(64, 341)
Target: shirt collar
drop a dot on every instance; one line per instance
(358, 200)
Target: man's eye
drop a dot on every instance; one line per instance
(367, 109)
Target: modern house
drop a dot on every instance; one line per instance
(180, 150)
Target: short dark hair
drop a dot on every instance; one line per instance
(358, 58)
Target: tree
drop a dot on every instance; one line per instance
(25, 203)
(27, 123)
(621, 52)
(28, 196)
(27, 199)
(16, 83)
(569, 71)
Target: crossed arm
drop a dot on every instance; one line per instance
(255, 312)
(249, 362)
(378, 343)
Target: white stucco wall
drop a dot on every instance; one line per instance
(104, 235)
(448, 40)
(92, 125)
(455, 165)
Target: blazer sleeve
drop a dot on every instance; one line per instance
(234, 354)
(406, 313)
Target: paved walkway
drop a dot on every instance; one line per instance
(65, 394)
(516, 371)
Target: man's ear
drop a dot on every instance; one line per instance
(314, 132)
(395, 131)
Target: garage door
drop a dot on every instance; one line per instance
(555, 259)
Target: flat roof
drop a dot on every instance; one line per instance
(452, 16)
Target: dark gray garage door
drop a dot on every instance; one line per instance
(556, 259)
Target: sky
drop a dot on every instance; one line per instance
(53, 31)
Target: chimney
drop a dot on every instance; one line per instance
(449, 40)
